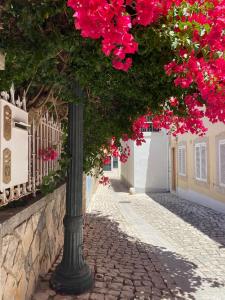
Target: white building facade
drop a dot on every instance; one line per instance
(147, 167)
(197, 167)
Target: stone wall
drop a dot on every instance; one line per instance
(30, 240)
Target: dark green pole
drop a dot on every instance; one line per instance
(72, 275)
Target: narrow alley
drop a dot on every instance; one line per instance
(154, 246)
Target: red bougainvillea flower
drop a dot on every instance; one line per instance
(173, 101)
(112, 22)
(107, 160)
(104, 180)
(48, 154)
(198, 64)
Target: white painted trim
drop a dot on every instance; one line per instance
(182, 148)
(201, 199)
(200, 145)
(221, 142)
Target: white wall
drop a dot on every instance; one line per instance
(147, 167)
(151, 163)
(127, 169)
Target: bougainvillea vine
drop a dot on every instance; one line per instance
(197, 33)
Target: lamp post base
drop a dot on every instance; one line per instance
(67, 282)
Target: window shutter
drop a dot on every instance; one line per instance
(197, 162)
(222, 163)
(203, 162)
(181, 160)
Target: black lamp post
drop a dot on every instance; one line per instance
(72, 275)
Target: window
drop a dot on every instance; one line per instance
(115, 162)
(201, 162)
(222, 163)
(150, 128)
(108, 164)
(182, 160)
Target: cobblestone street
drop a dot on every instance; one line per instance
(154, 246)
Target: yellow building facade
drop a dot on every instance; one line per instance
(197, 167)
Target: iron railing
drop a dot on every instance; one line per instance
(42, 135)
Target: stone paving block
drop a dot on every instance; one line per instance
(156, 291)
(147, 283)
(128, 282)
(108, 279)
(125, 275)
(99, 284)
(137, 283)
(100, 290)
(113, 273)
(99, 277)
(85, 296)
(127, 295)
(114, 293)
(136, 277)
(116, 286)
(128, 288)
(95, 296)
(141, 296)
(110, 297)
(118, 280)
(154, 297)
(63, 297)
(101, 270)
(144, 289)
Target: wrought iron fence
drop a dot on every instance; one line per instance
(41, 137)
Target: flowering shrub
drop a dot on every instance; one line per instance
(156, 42)
(48, 154)
(196, 30)
(197, 33)
(113, 20)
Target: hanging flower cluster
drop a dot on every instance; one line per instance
(104, 180)
(48, 154)
(196, 30)
(123, 151)
(107, 160)
(112, 21)
(197, 33)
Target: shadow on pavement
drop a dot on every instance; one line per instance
(118, 186)
(130, 269)
(208, 221)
